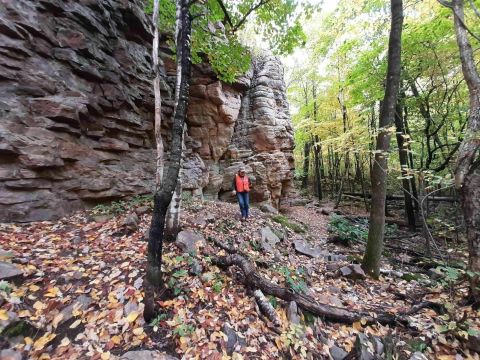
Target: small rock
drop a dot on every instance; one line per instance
(187, 241)
(435, 274)
(299, 202)
(362, 347)
(304, 248)
(76, 240)
(130, 222)
(352, 271)
(233, 339)
(209, 218)
(292, 313)
(335, 257)
(268, 239)
(102, 218)
(333, 266)
(67, 312)
(268, 208)
(195, 268)
(9, 271)
(9, 354)
(5, 254)
(474, 343)
(199, 221)
(142, 210)
(337, 353)
(417, 356)
(146, 355)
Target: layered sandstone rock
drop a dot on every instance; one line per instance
(76, 111)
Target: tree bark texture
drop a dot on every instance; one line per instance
(158, 97)
(374, 248)
(306, 164)
(403, 157)
(467, 171)
(163, 196)
(318, 174)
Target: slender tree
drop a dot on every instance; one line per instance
(403, 158)
(158, 96)
(163, 196)
(467, 171)
(374, 248)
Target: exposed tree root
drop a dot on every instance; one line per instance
(252, 279)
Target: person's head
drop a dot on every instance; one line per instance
(241, 171)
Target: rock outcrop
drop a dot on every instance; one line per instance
(76, 108)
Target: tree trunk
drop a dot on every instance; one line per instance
(318, 176)
(373, 251)
(411, 163)
(362, 180)
(158, 97)
(172, 223)
(467, 172)
(163, 196)
(306, 164)
(403, 157)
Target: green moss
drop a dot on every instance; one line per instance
(284, 221)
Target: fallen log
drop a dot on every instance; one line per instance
(401, 197)
(254, 280)
(362, 217)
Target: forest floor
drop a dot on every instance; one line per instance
(81, 291)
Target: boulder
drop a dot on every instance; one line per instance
(9, 271)
(268, 239)
(188, 241)
(352, 271)
(304, 248)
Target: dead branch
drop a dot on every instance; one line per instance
(266, 307)
(254, 280)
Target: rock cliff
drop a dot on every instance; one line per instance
(76, 110)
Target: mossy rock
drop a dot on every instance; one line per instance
(284, 221)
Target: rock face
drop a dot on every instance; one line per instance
(76, 109)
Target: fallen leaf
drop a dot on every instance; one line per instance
(40, 343)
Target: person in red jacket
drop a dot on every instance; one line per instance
(241, 186)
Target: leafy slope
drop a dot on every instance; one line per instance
(82, 296)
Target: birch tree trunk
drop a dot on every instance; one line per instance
(172, 225)
(158, 97)
(373, 251)
(467, 171)
(163, 197)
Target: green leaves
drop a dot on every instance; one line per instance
(215, 33)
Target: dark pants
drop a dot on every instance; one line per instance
(243, 201)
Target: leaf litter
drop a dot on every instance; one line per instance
(82, 294)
